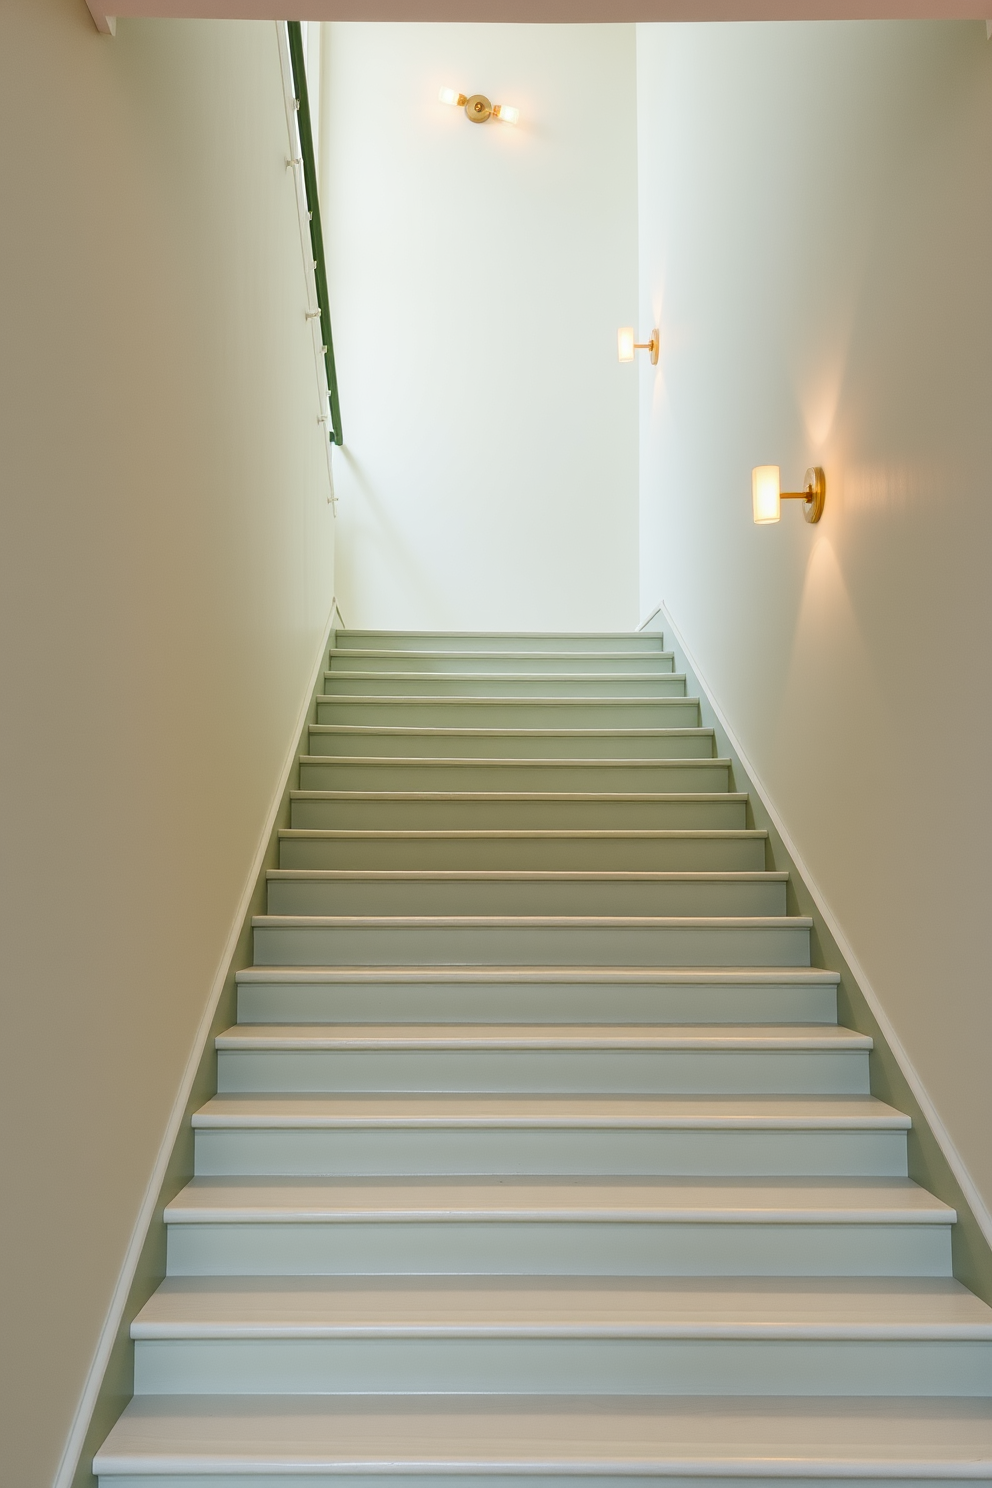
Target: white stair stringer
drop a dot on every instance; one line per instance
(538, 1153)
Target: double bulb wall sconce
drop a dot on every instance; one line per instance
(626, 345)
(478, 108)
(767, 495)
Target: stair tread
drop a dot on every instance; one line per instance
(442, 700)
(454, 730)
(508, 655)
(519, 875)
(542, 1306)
(836, 1436)
(733, 922)
(601, 1200)
(552, 762)
(541, 834)
(620, 975)
(470, 676)
(748, 1036)
(645, 798)
(530, 1111)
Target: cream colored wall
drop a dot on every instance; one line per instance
(478, 275)
(816, 222)
(165, 577)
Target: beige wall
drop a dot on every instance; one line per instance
(165, 576)
(478, 275)
(816, 224)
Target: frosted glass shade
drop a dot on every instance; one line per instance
(766, 501)
(625, 343)
(449, 95)
(507, 114)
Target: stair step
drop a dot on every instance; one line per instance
(648, 1226)
(562, 1335)
(519, 994)
(529, 1036)
(541, 688)
(911, 1308)
(749, 1060)
(523, 1441)
(325, 940)
(295, 891)
(488, 713)
(613, 643)
(499, 811)
(620, 744)
(516, 663)
(464, 1133)
(631, 850)
(395, 773)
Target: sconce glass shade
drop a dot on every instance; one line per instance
(766, 487)
(449, 95)
(506, 113)
(625, 344)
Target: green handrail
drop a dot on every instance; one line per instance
(309, 166)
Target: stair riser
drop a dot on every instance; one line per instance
(539, 689)
(701, 774)
(539, 945)
(401, 1151)
(439, 640)
(448, 742)
(574, 1366)
(565, 1248)
(605, 1071)
(527, 897)
(532, 1002)
(646, 664)
(433, 815)
(518, 854)
(646, 714)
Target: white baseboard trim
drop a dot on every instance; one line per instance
(94, 1378)
(954, 1160)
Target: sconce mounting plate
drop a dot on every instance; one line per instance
(815, 486)
(478, 108)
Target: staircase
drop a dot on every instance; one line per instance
(537, 1151)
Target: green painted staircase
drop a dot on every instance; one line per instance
(537, 1153)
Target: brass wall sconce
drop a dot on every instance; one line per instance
(478, 108)
(767, 495)
(626, 345)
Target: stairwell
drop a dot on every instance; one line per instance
(537, 1150)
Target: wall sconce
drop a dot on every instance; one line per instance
(626, 345)
(767, 495)
(478, 108)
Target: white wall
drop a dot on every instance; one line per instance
(165, 577)
(816, 224)
(478, 275)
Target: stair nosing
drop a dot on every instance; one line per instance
(551, 975)
(627, 922)
(521, 875)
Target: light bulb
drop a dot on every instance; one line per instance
(625, 344)
(766, 500)
(508, 114)
(450, 95)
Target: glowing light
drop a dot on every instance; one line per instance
(766, 487)
(507, 114)
(450, 95)
(625, 344)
